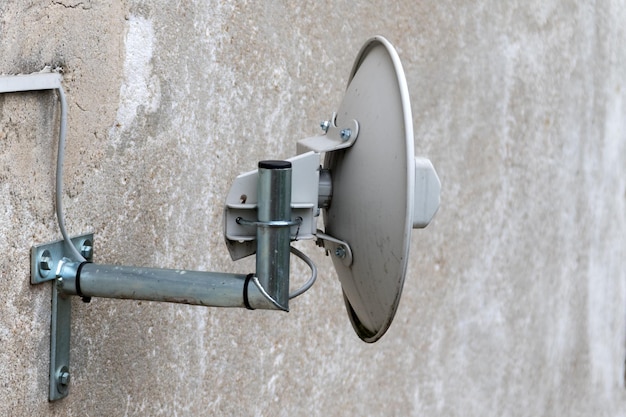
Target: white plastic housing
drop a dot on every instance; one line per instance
(427, 193)
(242, 202)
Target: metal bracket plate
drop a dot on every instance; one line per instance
(337, 247)
(44, 263)
(334, 139)
(60, 328)
(44, 258)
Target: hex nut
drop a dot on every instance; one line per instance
(325, 125)
(64, 378)
(87, 250)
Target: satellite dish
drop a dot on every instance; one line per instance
(372, 191)
(374, 184)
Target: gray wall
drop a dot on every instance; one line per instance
(515, 301)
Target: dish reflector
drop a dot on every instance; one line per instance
(372, 206)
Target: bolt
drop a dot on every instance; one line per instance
(60, 282)
(87, 249)
(64, 378)
(45, 263)
(325, 125)
(340, 252)
(345, 134)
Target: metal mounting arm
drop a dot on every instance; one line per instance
(209, 289)
(267, 289)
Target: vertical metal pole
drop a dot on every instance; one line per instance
(274, 204)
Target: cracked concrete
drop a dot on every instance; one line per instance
(70, 5)
(515, 301)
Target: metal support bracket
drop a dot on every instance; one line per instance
(60, 328)
(338, 248)
(45, 260)
(334, 137)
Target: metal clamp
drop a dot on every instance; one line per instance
(271, 223)
(47, 261)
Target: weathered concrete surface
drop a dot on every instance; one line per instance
(515, 302)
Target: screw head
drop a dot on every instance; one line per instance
(345, 134)
(325, 125)
(86, 249)
(45, 263)
(64, 378)
(340, 252)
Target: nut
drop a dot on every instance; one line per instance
(64, 378)
(325, 125)
(87, 250)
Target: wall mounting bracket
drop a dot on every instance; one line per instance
(46, 263)
(45, 257)
(63, 264)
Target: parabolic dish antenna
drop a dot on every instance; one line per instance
(372, 191)
(373, 183)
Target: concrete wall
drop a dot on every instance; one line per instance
(515, 301)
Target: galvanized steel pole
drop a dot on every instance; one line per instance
(274, 207)
(215, 289)
(175, 286)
